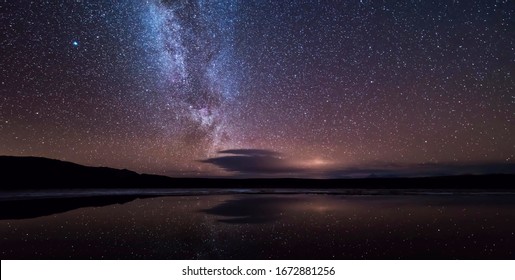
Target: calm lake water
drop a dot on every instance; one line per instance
(270, 226)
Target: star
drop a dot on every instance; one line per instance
(164, 85)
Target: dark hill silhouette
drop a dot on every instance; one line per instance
(19, 173)
(34, 173)
(41, 173)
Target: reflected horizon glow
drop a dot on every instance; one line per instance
(272, 226)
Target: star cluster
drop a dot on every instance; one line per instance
(161, 86)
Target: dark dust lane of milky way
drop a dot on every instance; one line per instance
(261, 88)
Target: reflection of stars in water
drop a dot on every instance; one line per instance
(211, 246)
(348, 227)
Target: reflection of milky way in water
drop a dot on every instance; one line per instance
(273, 226)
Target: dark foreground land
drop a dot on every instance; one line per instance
(34, 173)
(52, 209)
(35, 187)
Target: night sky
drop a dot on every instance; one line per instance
(261, 88)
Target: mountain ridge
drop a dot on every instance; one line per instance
(22, 173)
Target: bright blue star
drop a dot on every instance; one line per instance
(75, 43)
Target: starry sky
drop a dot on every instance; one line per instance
(261, 88)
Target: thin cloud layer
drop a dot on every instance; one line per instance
(262, 163)
(251, 152)
(253, 161)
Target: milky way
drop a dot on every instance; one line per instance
(317, 88)
(193, 45)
